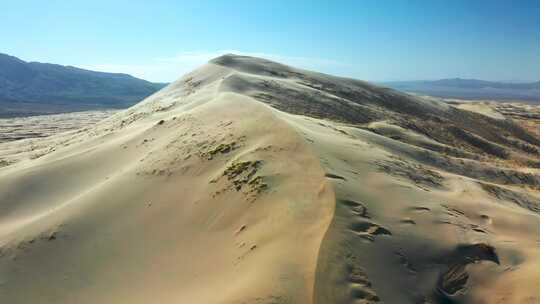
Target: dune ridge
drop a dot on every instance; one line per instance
(248, 181)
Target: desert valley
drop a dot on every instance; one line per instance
(250, 181)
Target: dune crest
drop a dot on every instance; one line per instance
(248, 181)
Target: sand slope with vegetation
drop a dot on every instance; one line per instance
(248, 181)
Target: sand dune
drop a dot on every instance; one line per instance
(247, 181)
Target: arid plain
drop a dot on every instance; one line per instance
(248, 181)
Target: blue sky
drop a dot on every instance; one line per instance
(372, 40)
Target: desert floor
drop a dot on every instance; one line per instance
(247, 181)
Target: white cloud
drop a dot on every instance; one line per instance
(167, 69)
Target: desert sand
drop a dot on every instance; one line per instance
(247, 181)
(19, 128)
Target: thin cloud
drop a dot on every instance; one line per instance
(191, 57)
(167, 69)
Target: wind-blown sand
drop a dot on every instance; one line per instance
(247, 181)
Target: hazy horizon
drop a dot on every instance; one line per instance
(370, 40)
(309, 162)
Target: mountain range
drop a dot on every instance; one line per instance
(34, 88)
(30, 88)
(470, 89)
(249, 181)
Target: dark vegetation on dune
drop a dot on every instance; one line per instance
(357, 102)
(411, 187)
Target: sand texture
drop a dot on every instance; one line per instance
(248, 181)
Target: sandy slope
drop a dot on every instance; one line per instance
(203, 193)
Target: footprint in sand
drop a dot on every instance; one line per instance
(419, 209)
(368, 230)
(242, 228)
(486, 219)
(334, 176)
(404, 261)
(360, 225)
(408, 221)
(359, 285)
(356, 208)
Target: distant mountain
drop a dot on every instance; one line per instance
(30, 88)
(470, 88)
(272, 184)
